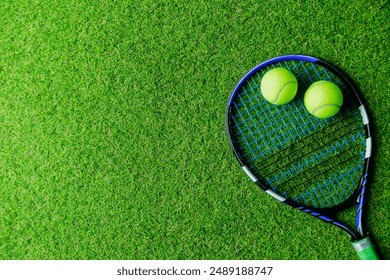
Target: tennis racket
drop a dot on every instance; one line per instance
(318, 166)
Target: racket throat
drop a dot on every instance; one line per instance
(328, 219)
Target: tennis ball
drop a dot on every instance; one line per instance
(323, 99)
(279, 86)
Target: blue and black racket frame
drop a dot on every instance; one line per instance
(236, 124)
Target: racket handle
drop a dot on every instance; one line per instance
(365, 249)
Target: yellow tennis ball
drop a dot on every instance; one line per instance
(279, 86)
(323, 99)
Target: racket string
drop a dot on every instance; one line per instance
(292, 151)
(308, 159)
(301, 147)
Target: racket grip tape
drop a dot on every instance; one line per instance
(365, 249)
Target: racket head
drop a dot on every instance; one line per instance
(295, 157)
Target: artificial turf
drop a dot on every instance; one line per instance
(112, 136)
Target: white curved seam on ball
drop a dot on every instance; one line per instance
(277, 97)
(326, 105)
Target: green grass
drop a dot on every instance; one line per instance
(112, 137)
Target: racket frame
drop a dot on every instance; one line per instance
(359, 195)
